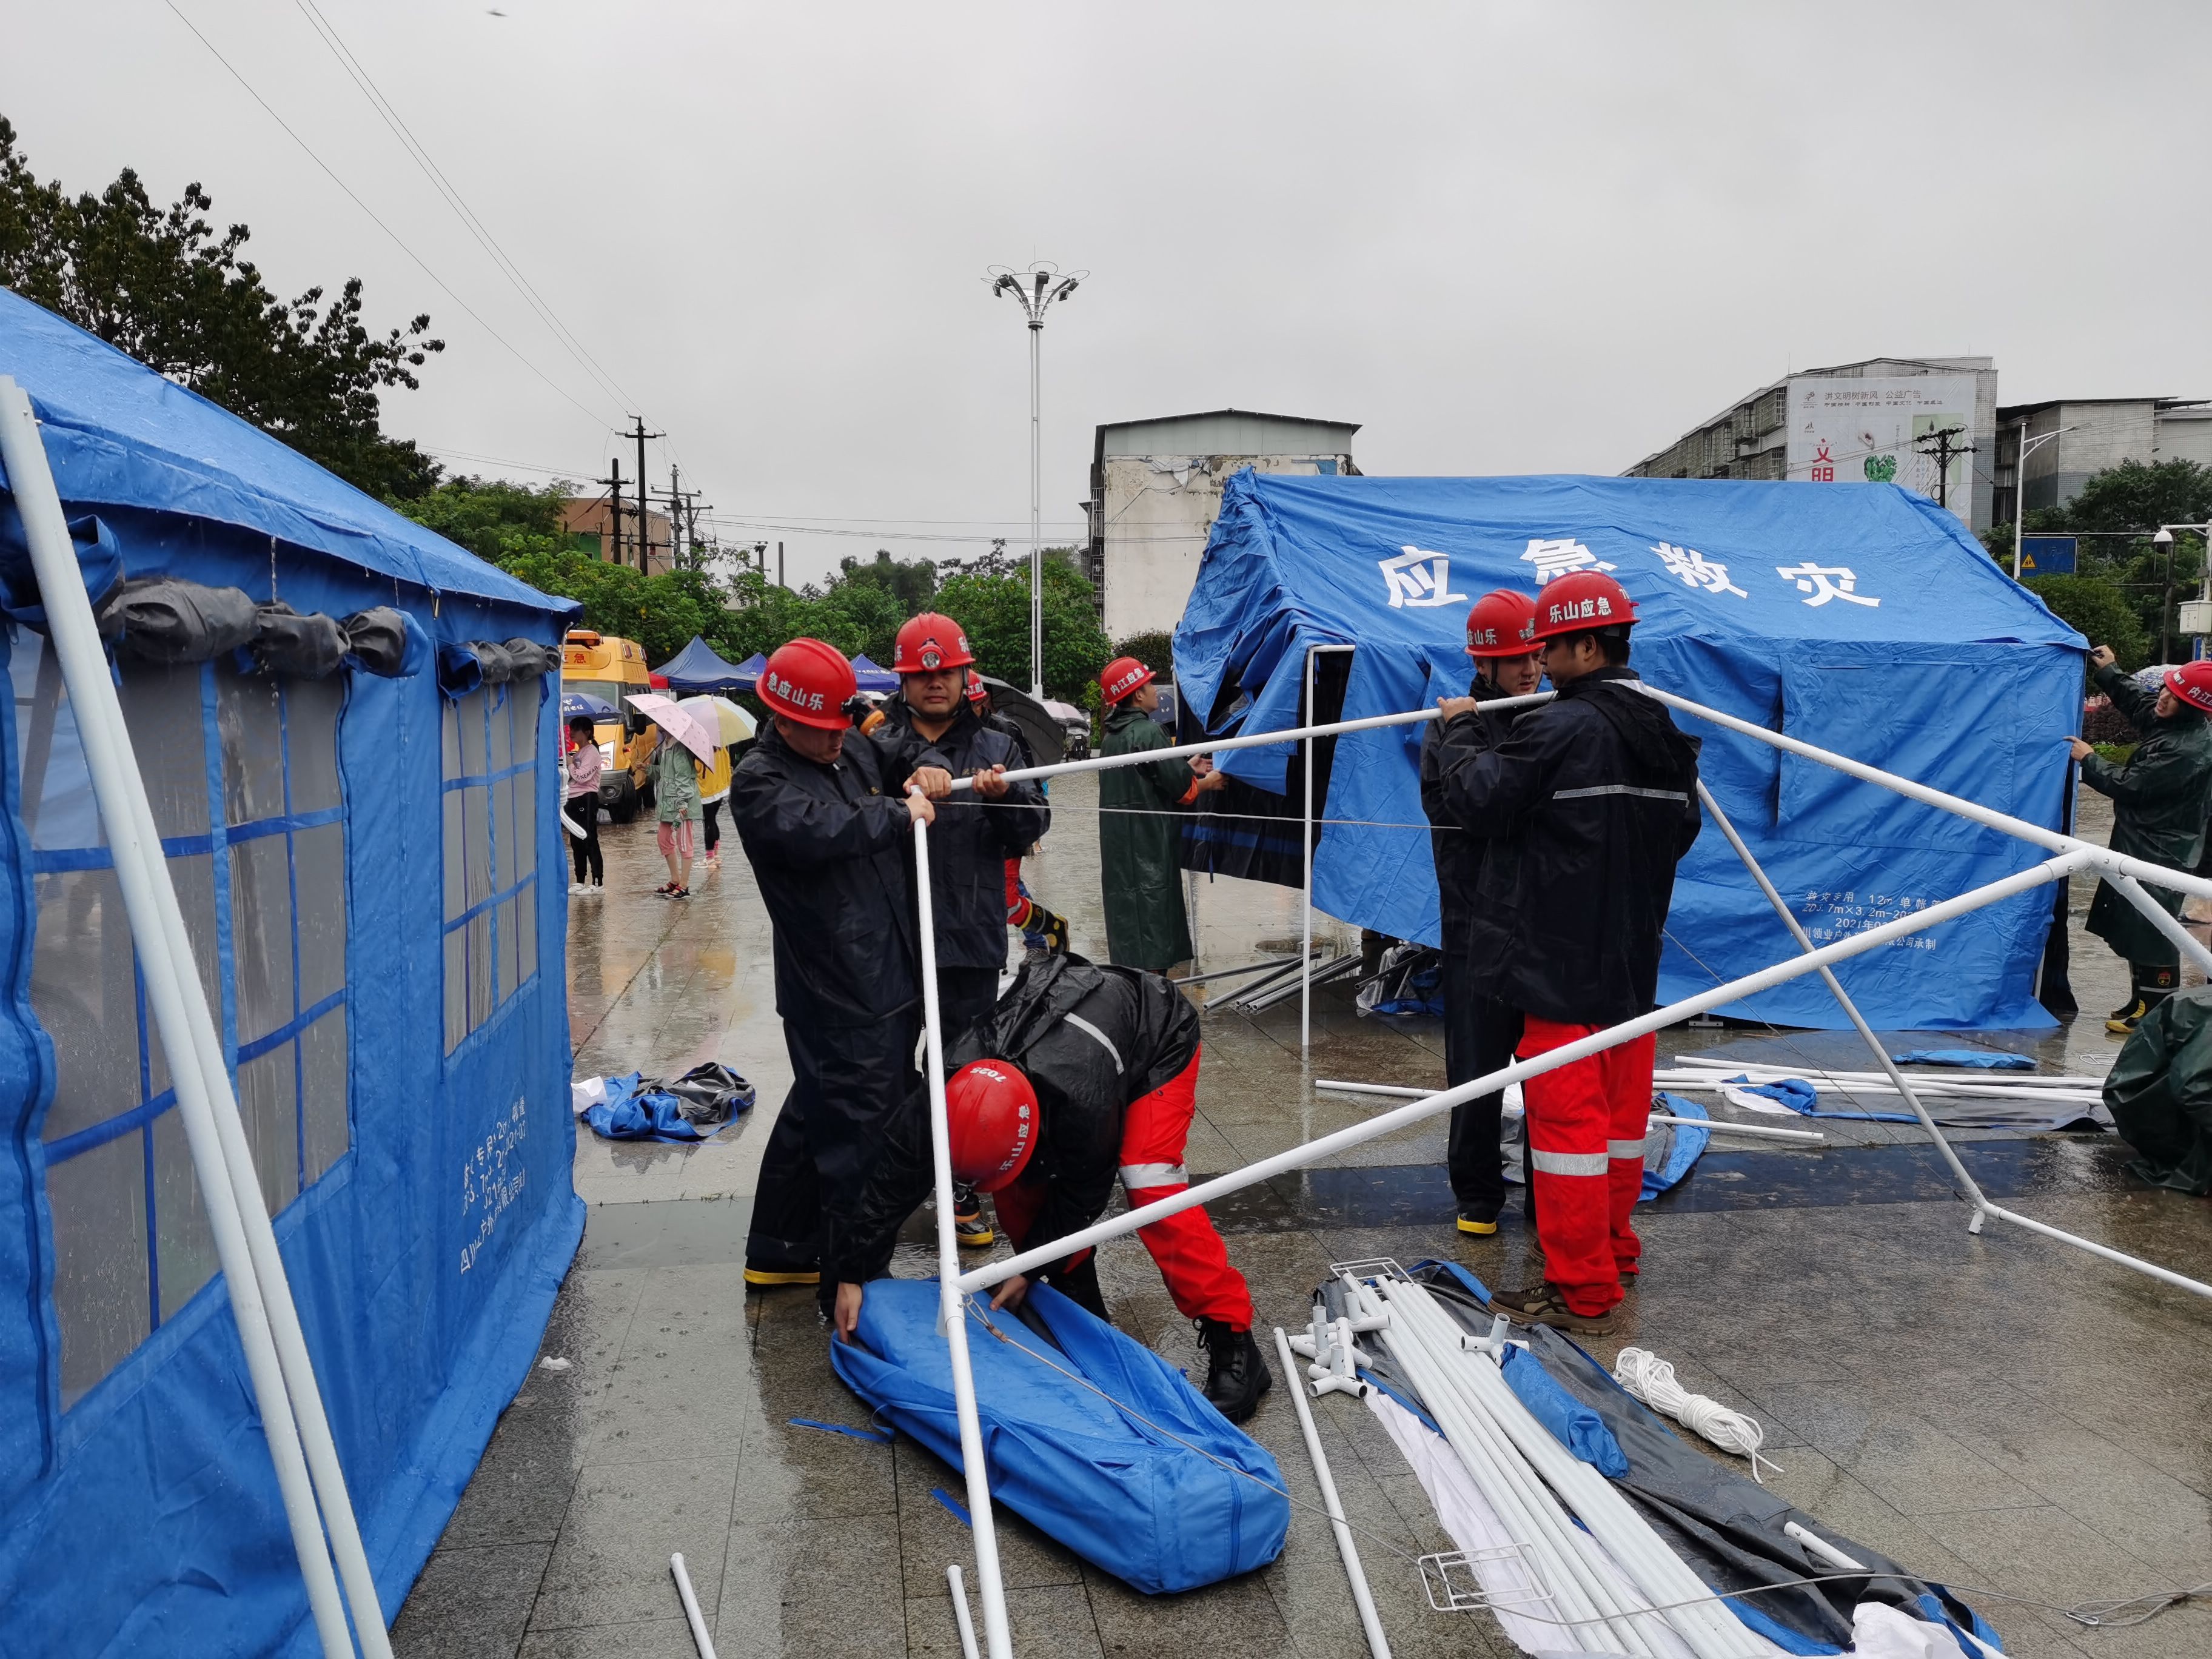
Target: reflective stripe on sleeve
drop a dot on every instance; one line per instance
(1097, 1035)
(1145, 1177)
(1568, 1164)
(1620, 789)
(1624, 1148)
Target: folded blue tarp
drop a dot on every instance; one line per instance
(1977, 1059)
(1158, 1515)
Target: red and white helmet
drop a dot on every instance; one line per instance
(809, 681)
(976, 689)
(1582, 600)
(1122, 676)
(1502, 623)
(928, 642)
(991, 1115)
(2192, 683)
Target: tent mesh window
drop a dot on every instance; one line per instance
(243, 775)
(491, 851)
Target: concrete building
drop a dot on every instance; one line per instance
(2072, 439)
(591, 526)
(1155, 487)
(1851, 423)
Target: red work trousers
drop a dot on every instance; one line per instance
(1587, 1122)
(1190, 1254)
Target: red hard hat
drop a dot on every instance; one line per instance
(1502, 624)
(1579, 601)
(1122, 676)
(2192, 683)
(931, 641)
(810, 682)
(991, 1114)
(976, 689)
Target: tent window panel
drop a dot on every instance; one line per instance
(508, 974)
(163, 709)
(478, 933)
(524, 859)
(101, 1288)
(472, 734)
(476, 847)
(310, 747)
(318, 886)
(84, 991)
(261, 935)
(457, 982)
(250, 716)
(526, 934)
(184, 1257)
(456, 864)
(52, 778)
(194, 880)
(524, 707)
(505, 871)
(268, 1100)
(450, 738)
(324, 1122)
(501, 731)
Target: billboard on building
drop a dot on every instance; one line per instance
(1862, 431)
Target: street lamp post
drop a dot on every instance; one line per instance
(1034, 289)
(2027, 446)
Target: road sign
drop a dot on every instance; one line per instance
(2047, 555)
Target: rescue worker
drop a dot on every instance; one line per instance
(1080, 1073)
(1042, 930)
(1480, 1032)
(1600, 791)
(972, 837)
(824, 815)
(2160, 795)
(1139, 832)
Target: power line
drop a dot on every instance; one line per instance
(475, 225)
(371, 212)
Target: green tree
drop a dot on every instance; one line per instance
(495, 518)
(994, 613)
(2099, 612)
(1155, 651)
(912, 583)
(160, 284)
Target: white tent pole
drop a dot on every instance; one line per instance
(1850, 1008)
(1412, 1112)
(1247, 740)
(1717, 1125)
(2160, 918)
(1362, 1599)
(952, 1299)
(143, 873)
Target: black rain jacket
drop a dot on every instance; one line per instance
(1447, 745)
(829, 847)
(972, 840)
(2160, 795)
(1143, 1032)
(1593, 799)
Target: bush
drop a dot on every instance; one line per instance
(1155, 651)
(2098, 610)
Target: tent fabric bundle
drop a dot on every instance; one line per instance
(1156, 1514)
(410, 1128)
(1859, 617)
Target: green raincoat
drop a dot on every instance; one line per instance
(2160, 799)
(1139, 835)
(675, 782)
(2159, 1091)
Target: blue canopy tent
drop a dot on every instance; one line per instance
(749, 671)
(869, 677)
(1859, 617)
(697, 668)
(357, 845)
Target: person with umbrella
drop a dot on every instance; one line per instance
(676, 785)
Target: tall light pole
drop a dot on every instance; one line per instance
(1034, 289)
(2027, 446)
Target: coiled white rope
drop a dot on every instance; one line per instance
(1651, 1380)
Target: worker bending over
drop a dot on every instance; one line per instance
(824, 815)
(1140, 831)
(1600, 791)
(1479, 1031)
(971, 839)
(2160, 795)
(1081, 1073)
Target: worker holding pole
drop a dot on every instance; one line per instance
(1479, 1031)
(1601, 790)
(824, 815)
(1140, 831)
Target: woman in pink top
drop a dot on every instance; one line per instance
(582, 806)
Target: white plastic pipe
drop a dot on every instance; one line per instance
(1921, 1080)
(1378, 1644)
(170, 981)
(1759, 1131)
(1306, 849)
(2190, 945)
(700, 1638)
(1412, 1112)
(960, 1616)
(952, 1299)
(1821, 1547)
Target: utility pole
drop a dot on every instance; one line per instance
(613, 482)
(1944, 452)
(644, 523)
(675, 517)
(780, 581)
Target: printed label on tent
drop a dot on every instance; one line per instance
(1555, 555)
(492, 1177)
(1420, 578)
(1696, 570)
(1830, 916)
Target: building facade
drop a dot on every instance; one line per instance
(592, 525)
(1875, 420)
(2071, 439)
(1156, 489)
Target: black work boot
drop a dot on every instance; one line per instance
(1236, 1374)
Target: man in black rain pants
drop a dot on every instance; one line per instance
(972, 838)
(1479, 1031)
(1104, 1062)
(824, 816)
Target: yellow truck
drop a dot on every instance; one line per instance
(610, 669)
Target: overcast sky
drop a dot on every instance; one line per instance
(1520, 238)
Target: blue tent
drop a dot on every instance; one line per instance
(696, 667)
(359, 855)
(749, 671)
(869, 677)
(1860, 617)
